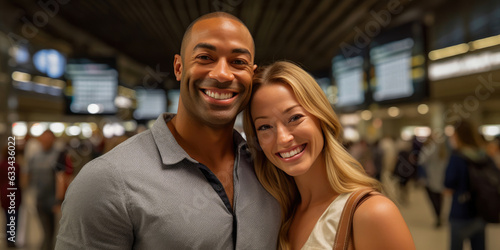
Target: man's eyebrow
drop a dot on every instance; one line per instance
(241, 51)
(213, 48)
(204, 46)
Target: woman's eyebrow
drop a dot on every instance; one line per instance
(284, 112)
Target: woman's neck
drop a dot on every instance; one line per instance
(314, 187)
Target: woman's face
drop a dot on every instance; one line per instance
(290, 137)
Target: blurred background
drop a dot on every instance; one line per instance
(398, 73)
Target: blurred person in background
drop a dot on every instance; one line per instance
(433, 158)
(30, 148)
(405, 168)
(465, 223)
(364, 153)
(48, 173)
(378, 159)
(294, 136)
(98, 143)
(389, 153)
(188, 182)
(493, 149)
(10, 191)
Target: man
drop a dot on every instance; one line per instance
(187, 183)
(48, 172)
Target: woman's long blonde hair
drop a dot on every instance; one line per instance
(345, 173)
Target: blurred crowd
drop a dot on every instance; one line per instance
(422, 161)
(46, 165)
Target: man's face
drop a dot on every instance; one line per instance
(47, 141)
(216, 71)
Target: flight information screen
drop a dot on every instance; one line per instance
(150, 103)
(392, 63)
(93, 86)
(349, 75)
(397, 65)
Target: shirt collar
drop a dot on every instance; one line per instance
(170, 151)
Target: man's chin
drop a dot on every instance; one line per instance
(221, 119)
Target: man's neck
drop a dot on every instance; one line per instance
(206, 144)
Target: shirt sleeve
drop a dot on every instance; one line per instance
(94, 211)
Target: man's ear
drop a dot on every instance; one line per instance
(178, 67)
(254, 68)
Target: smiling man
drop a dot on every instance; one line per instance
(188, 182)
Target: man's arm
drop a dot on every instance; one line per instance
(94, 211)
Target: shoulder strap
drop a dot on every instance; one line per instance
(344, 231)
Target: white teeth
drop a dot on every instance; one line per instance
(218, 96)
(291, 153)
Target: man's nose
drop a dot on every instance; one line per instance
(221, 72)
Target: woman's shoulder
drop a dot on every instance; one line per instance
(375, 206)
(381, 226)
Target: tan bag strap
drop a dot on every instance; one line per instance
(344, 231)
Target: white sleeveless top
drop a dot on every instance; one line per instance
(325, 230)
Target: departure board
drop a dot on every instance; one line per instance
(150, 103)
(397, 65)
(349, 74)
(94, 87)
(392, 64)
(173, 100)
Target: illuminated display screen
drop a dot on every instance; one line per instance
(94, 87)
(349, 75)
(50, 62)
(397, 65)
(392, 63)
(464, 65)
(173, 100)
(150, 103)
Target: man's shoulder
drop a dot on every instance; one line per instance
(131, 146)
(120, 156)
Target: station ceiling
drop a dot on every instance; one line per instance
(309, 32)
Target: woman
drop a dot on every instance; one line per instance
(465, 223)
(294, 136)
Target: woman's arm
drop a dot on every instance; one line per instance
(378, 224)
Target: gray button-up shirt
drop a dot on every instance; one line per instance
(148, 193)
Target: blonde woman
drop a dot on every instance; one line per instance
(295, 138)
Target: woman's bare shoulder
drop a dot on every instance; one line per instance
(378, 224)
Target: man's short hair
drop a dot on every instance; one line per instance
(221, 14)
